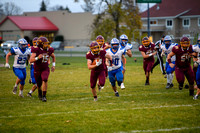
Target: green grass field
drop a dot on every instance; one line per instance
(70, 106)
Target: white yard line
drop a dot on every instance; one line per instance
(101, 110)
(161, 130)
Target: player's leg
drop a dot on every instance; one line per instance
(170, 75)
(189, 74)
(93, 81)
(180, 77)
(34, 87)
(161, 63)
(112, 78)
(102, 79)
(156, 63)
(38, 78)
(198, 83)
(22, 83)
(148, 69)
(17, 72)
(123, 72)
(45, 76)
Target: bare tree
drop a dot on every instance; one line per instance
(10, 8)
(59, 8)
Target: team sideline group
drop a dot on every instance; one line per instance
(109, 60)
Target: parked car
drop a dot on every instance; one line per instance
(9, 44)
(57, 45)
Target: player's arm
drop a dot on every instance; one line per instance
(129, 53)
(108, 59)
(169, 59)
(195, 56)
(148, 55)
(123, 61)
(53, 62)
(33, 57)
(7, 60)
(89, 64)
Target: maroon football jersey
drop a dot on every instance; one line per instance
(148, 50)
(101, 55)
(182, 56)
(42, 63)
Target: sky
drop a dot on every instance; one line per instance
(34, 5)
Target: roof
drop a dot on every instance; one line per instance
(174, 8)
(32, 23)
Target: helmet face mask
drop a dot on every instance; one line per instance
(146, 41)
(43, 42)
(167, 40)
(34, 41)
(185, 43)
(100, 40)
(95, 47)
(123, 40)
(114, 43)
(22, 43)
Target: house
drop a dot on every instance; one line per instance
(176, 18)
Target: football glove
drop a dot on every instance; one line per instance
(7, 65)
(98, 63)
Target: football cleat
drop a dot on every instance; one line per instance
(195, 97)
(95, 99)
(122, 86)
(186, 86)
(168, 86)
(171, 85)
(117, 94)
(21, 95)
(44, 99)
(147, 83)
(29, 95)
(14, 90)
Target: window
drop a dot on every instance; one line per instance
(186, 22)
(153, 22)
(169, 23)
(199, 22)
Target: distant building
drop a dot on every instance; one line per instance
(176, 18)
(74, 27)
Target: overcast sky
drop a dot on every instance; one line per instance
(34, 5)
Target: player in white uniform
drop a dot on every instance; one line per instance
(115, 71)
(166, 49)
(22, 52)
(196, 49)
(125, 45)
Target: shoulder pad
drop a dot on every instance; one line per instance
(176, 47)
(88, 52)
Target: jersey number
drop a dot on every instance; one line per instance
(184, 58)
(116, 61)
(45, 58)
(21, 60)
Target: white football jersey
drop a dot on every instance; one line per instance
(20, 57)
(167, 51)
(127, 47)
(116, 58)
(196, 48)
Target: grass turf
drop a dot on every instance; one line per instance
(70, 106)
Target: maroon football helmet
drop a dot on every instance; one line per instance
(146, 41)
(94, 47)
(34, 41)
(43, 42)
(100, 40)
(185, 42)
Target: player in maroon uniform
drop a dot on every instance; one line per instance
(148, 51)
(101, 41)
(98, 69)
(183, 68)
(40, 56)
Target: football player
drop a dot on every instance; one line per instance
(100, 40)
(148, 51)
(183, 53)
(98, 57)
(125, 45)
(196, 49)
(32, 79)
(21, 53)
(159, 57)
(115, 71)
(166, 48)
(40, 56)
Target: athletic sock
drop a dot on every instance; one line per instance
(16, 85)
(31, 91)
(21, 92)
